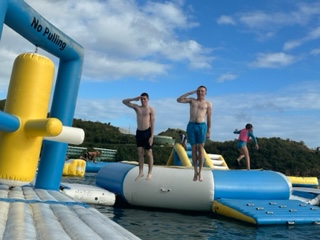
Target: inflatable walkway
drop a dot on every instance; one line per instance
(268, 212)
(182, 157)
(29, 213)
(258, 197)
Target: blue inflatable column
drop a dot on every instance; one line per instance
(3, 10)
(63, 107)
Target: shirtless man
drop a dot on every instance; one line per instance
(199, 126)
(145, 129)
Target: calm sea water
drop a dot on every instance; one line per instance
(162, 224)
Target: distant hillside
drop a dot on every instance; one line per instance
(286, 156)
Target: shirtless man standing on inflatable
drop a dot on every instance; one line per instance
(198, 130)
(145, 128)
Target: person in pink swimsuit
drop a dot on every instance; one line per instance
(244, 137)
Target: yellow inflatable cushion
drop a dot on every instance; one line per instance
(74, 168)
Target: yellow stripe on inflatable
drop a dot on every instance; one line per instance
(74, 168)
(28, 99)
(313, 181)
(230, 212)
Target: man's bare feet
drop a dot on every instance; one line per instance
(139, 176)
(148, 176)
(195, 177)
(200, 177)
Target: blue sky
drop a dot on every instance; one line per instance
(258, 59)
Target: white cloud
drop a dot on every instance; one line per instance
(132, 31)
(273, 60)
(266, 23)
(315, 51)
(125, 38)
(226, 20)
(312, 35)
(104, 68)
(300, 15)
(226, 77)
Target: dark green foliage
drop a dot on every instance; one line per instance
(98, 134)
(2, 103)
(174, 133)
(129, 153)
(286, 156)
(104, 135)
(161, 154)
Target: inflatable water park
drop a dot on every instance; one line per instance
(33, 205)
(258, 197)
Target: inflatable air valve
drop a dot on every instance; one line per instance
(27, 100)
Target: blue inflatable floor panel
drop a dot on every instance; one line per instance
(268, 212)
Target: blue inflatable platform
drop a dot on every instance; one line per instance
(258, 197)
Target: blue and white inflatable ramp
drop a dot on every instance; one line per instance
(256, 196)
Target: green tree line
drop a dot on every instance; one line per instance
(283, 155)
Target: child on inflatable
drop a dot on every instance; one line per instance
(244, 137)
